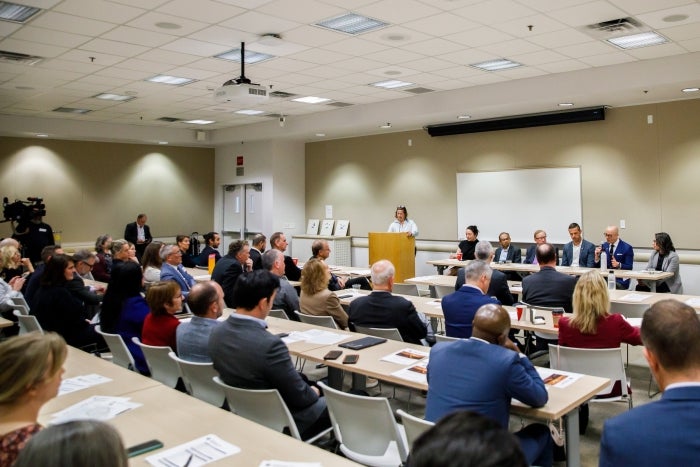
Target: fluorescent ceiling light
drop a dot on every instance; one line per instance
(198, 122)
(566, 104)
(167, 79)
(320, 135)
(250, 112)
(496, 65)
(351, 24)
(234, 55)
(16, 13)
(691, 89)
(165, 142)
(71, 110)
(385, 126)
(311, 100)
(113, 97)
(391, 84)
(634, 41)
(467, 117)
(44, 135)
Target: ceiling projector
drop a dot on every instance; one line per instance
(241, 92)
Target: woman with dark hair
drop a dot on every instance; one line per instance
(58, 310)
(664, 258)
(124, 309)
(103, 267)
(466, 246)
(164, 299)
(183, 243)
(151, 262)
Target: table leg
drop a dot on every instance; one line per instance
(573, 453)
(335, 378)
(440, 269)
(359, 381)
(652, 286)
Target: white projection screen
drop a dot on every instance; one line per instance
(520, 202)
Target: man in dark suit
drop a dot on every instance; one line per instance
(212, 240)
(506, 252)
(139, 234)
(578, 252)
(231, 267)
(548, 287)
(381, 309)
(662, 432)
(622, 254)
(278, 241)
(256, 250)
(499, 282)
(459, 307)
(286, 298)
(491, 373)
(247, 356)
(540, 237)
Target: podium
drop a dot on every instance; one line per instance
(397, 248)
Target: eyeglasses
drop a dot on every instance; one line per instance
(608, 235)
(88, 264)
(541, 237)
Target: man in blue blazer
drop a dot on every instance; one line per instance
(578, 252)
(172, 269)
(459, 307)
(662, 432)
(622, 257)
(491, 373)
(483, 251)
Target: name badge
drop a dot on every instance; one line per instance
(42, 230)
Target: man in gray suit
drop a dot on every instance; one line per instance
(206, 302)
(247, 356)
(286, 298)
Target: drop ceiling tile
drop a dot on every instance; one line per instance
(193, 47)
(138, 36)
(397, 11)
(147, 4)
(301, 11)
(441, 24)
(494, 11)
(392, 72)
(487, 78)
(326, 72)
(205, 11)
(394, 56)
(355, 46)
(83, 56)
(167, 56)
(546, 6)
(31, 48)
(692, 45)
(215, 64)
(359, 64)
(72, 24)
(681, 33)
(520, 27)
(537, 58)
(258, 23)
(123, 73)
(458, 72)
(396, 36)
(613, 58)
(428, 64)
(225, 36)
(656, 19)
(586, 49)
(588, 13)
(479, 36)
(657, 51)
(149, 21)
(434, 46)
(467, 56)
(289, 65)
(143, 65)
(563, 66)
(99, 10)
(70, 65)
(561, 38)
(113, 47)
(511, 48)
(44, 4)
(636, 7)
(192, 73)
(319, 56)
(48, 36)
(7, 28)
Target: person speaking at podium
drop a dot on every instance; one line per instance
(403, 223)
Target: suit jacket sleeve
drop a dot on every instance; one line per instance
(627, 257)
(291, 270)
(281, 373)
(588, 258)
(336, 310)
(502, 293)
(567, 257)
(460, 278)
(147, 234)
(517, 255)
(525, 384)
(130, 233)
(77, 287)
(415, 325)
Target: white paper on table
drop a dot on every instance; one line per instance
(417, 373)
(558, 378)
(81, 382)
(633, 297)
(274, 463)
(95, 408)
(693, 302)
(437, 303)
(405, 356)
(314, 336)
(203, 450)
(360, 272)
(636, 322)
(513, 315)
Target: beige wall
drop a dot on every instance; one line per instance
(646, 174)
(91, 188)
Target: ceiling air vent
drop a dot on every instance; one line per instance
(282, 94)
(14, 57)
(418, 90)
(614, 28)
(171, 120)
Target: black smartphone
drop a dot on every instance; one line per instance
(282, 335)
(142, 448)
(333, 354)
(350, 359)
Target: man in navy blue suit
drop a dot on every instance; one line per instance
(578, 252)
(459, 307)
(622, 254)
(491, 373)
(662, 432)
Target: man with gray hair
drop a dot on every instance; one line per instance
(286, 298)
(499, 282)
(460, 307)
(89, 296)
(172, 269)
(381, 309)
(206, 302)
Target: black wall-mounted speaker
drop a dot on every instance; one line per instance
(518, 121)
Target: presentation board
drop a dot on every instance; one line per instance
(520, 202)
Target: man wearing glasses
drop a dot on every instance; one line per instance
(620, 254)
(89, 296)
(540, 239)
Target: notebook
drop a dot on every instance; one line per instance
(365, 342)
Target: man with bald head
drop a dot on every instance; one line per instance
(206, 302)
(622, 256)
(381, 309)
(663, 432)
(549, 287)
(491, 372)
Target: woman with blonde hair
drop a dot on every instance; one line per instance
(13, 264)
(31, 366)
(315, 298)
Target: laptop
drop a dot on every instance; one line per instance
(363, 343)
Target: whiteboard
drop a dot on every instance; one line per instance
(520, 202)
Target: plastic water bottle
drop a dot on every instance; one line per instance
(603, 261)
(611, 280)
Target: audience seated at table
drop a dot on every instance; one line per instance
(257, 248)
(34, 281)
(212, 240)
(381, 309)
(8, 291)
(498, 287)
(132, 254)
(664, 258)
(459, 307)
(120, 253)
(227, 271)
(103, 267)
(278, 241)
(321, 249)
(466, 246)
(79, 443)
(466, 439)
(206, 302)
(164, 299)
(315, 297)
(13, 265)
(124, 310)
(31, 366)
(58, 310)
(151, 262)
(172, 270)
(593, 327)
(286, 298)
(89, 296)
(183, 243)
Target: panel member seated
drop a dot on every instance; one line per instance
(578, 252)
(459, 307)
(381, 309)
(247, 356)
(540, 237)
(622, 254)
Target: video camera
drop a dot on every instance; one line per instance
(23, 211)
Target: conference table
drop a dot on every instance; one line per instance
(651, 277)
(563, 402)
(6, 323)
(175, 418)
